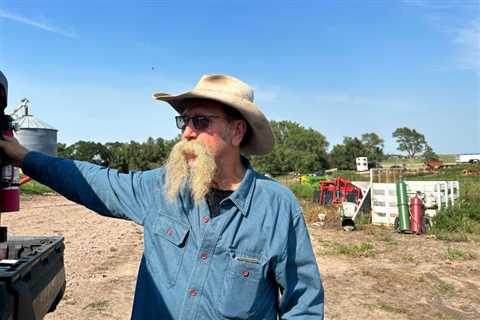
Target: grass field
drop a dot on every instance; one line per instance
(34, 187)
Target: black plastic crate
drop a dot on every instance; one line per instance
(34, 284)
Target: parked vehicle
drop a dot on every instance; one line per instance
(468, 158)
(434, 164)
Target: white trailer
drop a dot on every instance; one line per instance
(468, 158)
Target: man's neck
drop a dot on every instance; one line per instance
(229, 174)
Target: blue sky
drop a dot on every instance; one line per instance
(341, 67)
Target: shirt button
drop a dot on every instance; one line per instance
(204, 256)
(193, 292)
(169, 232)
(205, 219)
(245, 273)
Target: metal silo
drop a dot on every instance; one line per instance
(33, 133)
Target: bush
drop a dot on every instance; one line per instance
(302, 190)
(350, 175)
(460, 218)
(457, 222)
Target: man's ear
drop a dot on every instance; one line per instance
(239, 130)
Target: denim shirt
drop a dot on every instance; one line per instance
(253, 261)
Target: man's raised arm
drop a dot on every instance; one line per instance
(100, 189)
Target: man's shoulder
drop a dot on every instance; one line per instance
(273, 188)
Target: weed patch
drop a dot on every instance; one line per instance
(452, 236)
(98, 305)
(310, 210)
(388, 238)
(408, 258)
(445, 289)
(386, 307)
(365, 249)
(457, 254)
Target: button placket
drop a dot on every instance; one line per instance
(211, 234)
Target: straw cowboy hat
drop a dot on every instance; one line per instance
(236, 94)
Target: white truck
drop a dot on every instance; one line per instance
(468, 158)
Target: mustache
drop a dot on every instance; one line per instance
(198, 176)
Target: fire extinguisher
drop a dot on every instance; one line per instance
(416, 215)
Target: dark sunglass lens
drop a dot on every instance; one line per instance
(181, 122)
(201, 122)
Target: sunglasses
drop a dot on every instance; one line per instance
(199, 122)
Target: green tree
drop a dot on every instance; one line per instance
(369, 145)
(122, 156)
(62, 150)
(410, 141)
(429, 154)
(117, 156)
(296, 149)
(373, 146)
(343, 155)
(88, 151)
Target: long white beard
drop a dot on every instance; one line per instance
(198, 176)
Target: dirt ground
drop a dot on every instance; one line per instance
(367, 274)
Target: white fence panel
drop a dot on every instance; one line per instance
(436, 195)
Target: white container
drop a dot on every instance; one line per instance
(362, 163)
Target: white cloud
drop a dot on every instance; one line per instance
(36, 24)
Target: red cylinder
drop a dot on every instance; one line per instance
(9, 184)
(416, 215)
(9, 199)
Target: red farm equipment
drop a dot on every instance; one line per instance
(339, 191)
(346, 197)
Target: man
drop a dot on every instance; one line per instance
(221, 240)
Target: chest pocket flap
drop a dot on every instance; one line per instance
(171, 229)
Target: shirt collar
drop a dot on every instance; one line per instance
(242, 197)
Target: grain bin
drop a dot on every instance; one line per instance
(35, 134)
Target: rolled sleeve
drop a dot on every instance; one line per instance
(302, 295)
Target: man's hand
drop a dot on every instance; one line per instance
(13, 149)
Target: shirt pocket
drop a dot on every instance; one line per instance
(168, 248)
(242, 285)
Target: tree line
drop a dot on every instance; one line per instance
(297, 149)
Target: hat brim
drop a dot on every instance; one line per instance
(262, 139)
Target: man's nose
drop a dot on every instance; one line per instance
(189, 133)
